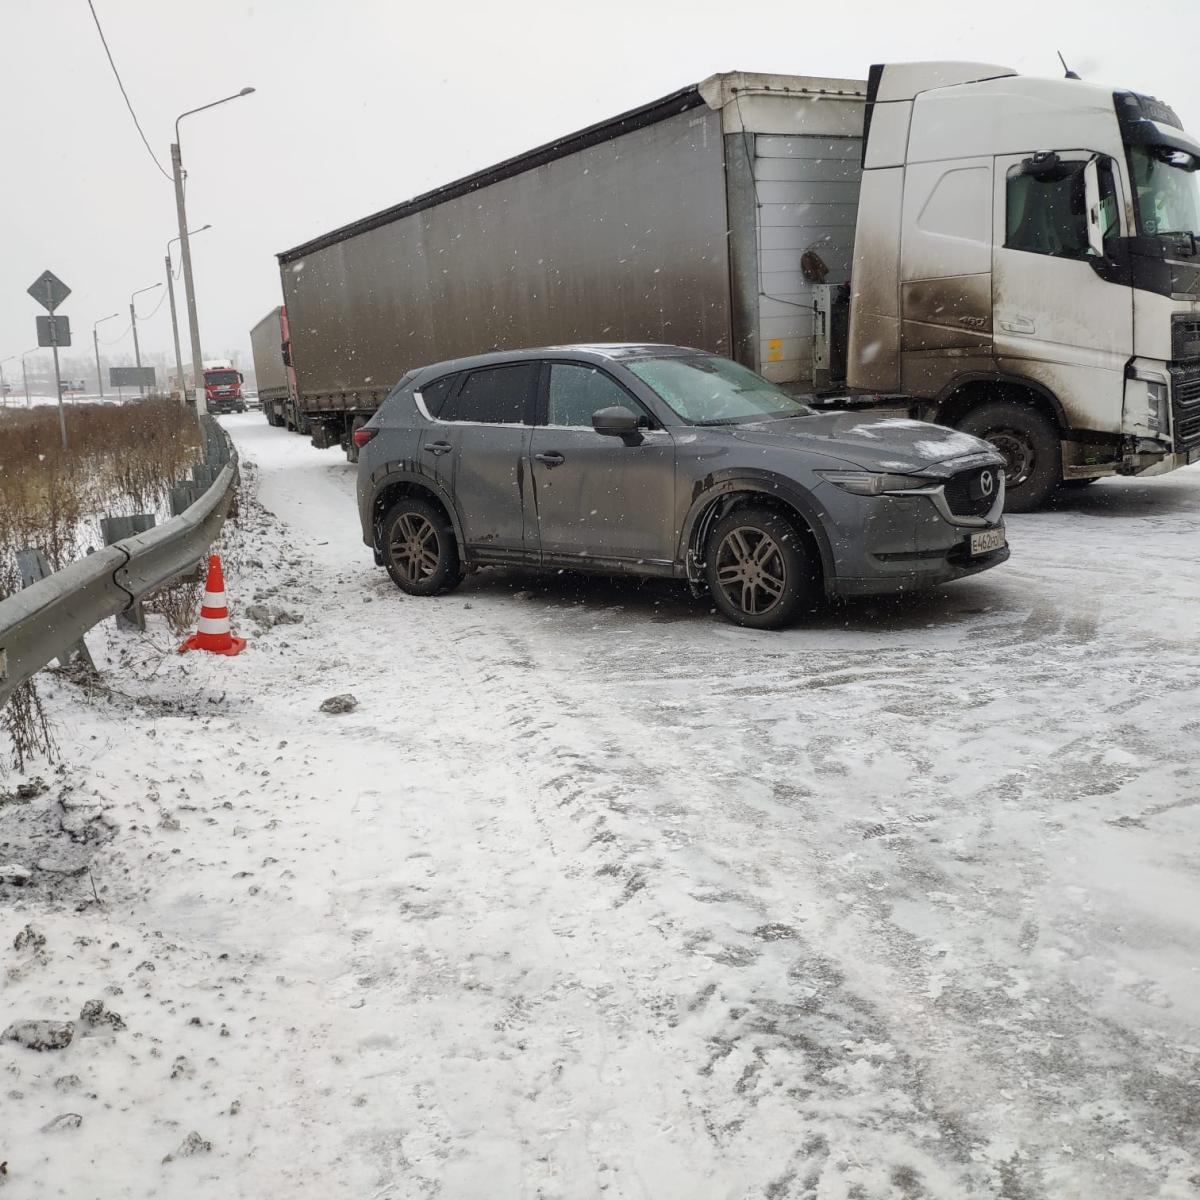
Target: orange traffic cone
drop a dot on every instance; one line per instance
(212, 633)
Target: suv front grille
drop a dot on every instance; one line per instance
(968, 494)
(1185, 397)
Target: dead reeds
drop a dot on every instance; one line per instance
(122, 459)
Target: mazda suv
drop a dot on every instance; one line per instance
(663, 461)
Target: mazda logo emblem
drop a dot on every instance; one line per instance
(986, 482)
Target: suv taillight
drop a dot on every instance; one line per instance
(364, 435)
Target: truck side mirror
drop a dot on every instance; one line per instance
(1091, 196)
(285, 351)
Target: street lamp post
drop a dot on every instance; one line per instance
(96, 347)
(137, 354)
(174, 319)
(24, 374)
(186, 250)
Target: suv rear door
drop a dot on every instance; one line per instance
(480, 446)
(599, 498)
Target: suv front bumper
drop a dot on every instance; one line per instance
(904, 542)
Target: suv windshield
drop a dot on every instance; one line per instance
(705, 390)
(1167, 186)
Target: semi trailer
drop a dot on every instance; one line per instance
(1011, 256)
(270, 347)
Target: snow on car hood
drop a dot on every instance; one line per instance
(878, 443)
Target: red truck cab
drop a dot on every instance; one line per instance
(223, 390)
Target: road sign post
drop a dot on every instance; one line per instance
(50, 291)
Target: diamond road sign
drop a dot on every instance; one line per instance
(48, 290)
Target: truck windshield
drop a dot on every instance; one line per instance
(1167, 185)
(705, 390)
(221, 377)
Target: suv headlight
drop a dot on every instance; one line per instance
(1158, 414)
(876, 483)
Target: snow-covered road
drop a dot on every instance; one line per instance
(595, 895)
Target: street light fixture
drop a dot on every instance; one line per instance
(24, 376)
(186, 250)
(174, 319)
(96, 347)
(137, 354)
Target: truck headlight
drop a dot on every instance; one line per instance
(876, 483)
(1158, 408)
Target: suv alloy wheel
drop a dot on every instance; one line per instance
(759, 570)
(419, 548)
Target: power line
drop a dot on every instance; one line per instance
(155, 308)
(124, 93)
(120, 337)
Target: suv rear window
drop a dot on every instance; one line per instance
(496, 395)
(434, 394)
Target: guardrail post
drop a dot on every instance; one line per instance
(114, 529)
(216, 451)
(33, 566)
(183, 496)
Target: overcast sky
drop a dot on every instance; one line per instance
(363, 103)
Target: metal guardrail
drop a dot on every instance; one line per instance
(46, 619)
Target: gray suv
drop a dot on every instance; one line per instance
(663, 461)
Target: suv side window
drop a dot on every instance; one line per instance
(1049, 215)
(577, 390)
(434, 394)
(496, 395)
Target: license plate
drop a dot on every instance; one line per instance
(987, 541)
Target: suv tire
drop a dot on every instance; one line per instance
(760, 571)
(419, 548)
(1031, 448)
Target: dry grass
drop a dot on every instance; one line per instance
(122, 459)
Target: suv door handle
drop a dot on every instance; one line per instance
(551, 458)
(438, 447)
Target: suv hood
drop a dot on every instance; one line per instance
(871, 442)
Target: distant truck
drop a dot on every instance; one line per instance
(271, 348)
(223, 387)
(1011, 256)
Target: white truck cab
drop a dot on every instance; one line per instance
(1026, 267)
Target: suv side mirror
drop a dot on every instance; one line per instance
(617, 421)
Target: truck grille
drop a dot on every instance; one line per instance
(969, 494)
(1185, 395)
(1185, 337)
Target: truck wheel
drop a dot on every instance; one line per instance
(760, 572)
(1031, 448)
(419, 548)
